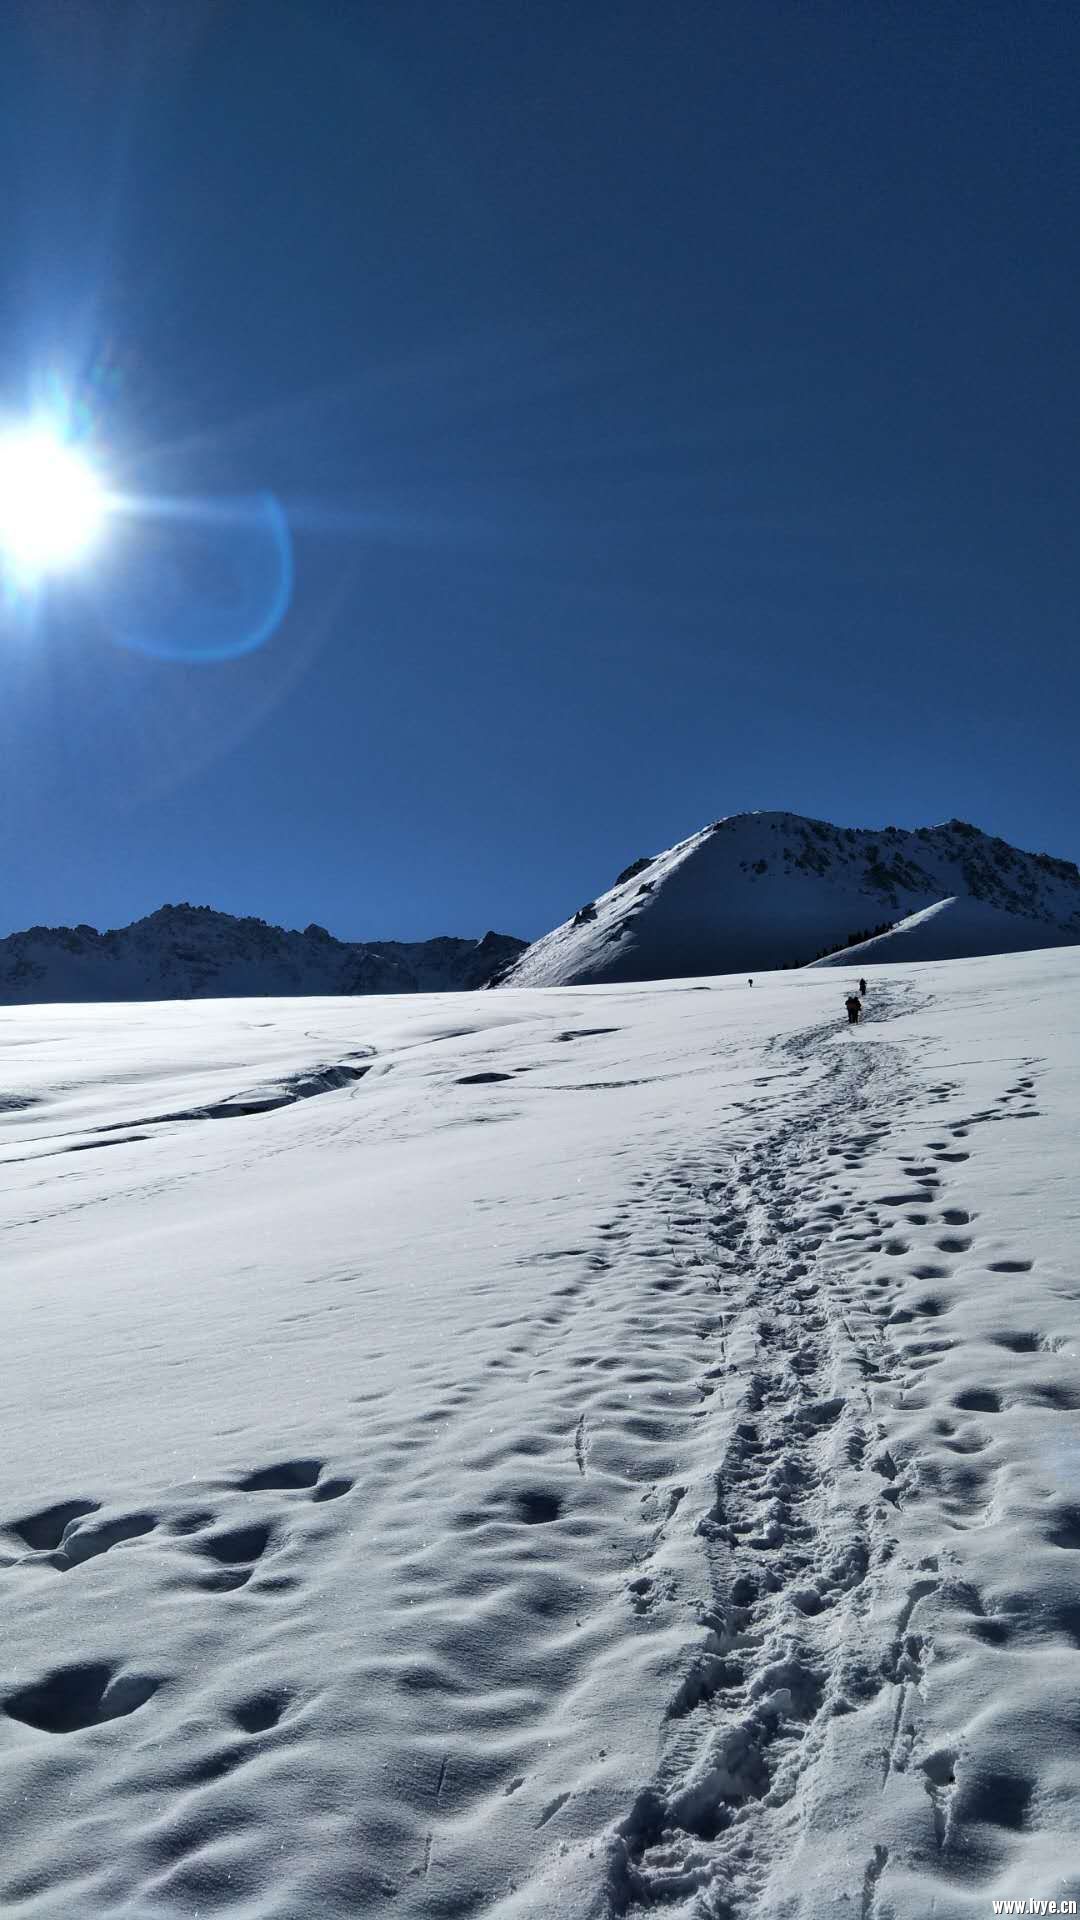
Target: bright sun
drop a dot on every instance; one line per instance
(52, 503)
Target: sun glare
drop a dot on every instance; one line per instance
(52, 504)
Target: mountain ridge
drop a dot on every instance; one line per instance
(753, 892)
(749, 893)
(184, 952)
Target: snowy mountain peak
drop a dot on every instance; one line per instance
(185, 952)
(755, 891)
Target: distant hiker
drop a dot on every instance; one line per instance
(862, 986)
(854, 1008)
(750, 983)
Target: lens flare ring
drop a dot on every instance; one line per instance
(197, 580)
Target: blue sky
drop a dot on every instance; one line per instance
(675, 411)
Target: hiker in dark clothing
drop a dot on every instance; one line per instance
(862, 987)
(854, 1008)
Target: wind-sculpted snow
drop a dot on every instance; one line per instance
(766, 890)
(617, 1456)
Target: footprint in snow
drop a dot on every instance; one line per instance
(43, 1531)
(288, 1476)
(235, 1551)
(1026, 1341)
(71, 1698)
(260, 1711)
(86, 1541)
(978, 1400)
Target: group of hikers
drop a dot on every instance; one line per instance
(853, 1003)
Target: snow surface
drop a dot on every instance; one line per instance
(764, 890)
(619, 1453)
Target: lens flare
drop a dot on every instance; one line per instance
(196, 580)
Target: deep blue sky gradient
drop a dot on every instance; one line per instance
(676, 409)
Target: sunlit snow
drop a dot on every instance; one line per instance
(583, 1452)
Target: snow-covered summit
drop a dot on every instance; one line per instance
(185, 953)
(762, 890)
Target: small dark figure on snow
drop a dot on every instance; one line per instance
(750, 983)
(862, 986)
(854, 1008)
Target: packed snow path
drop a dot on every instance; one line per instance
(593, 1452)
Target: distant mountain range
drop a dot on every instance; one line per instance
(750, 893)
(193, 953)
(758, 891)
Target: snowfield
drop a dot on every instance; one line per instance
(590, 1452)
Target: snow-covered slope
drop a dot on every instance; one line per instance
(188, 952)
(766, 890)
(576, 1454)
(949, 930)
